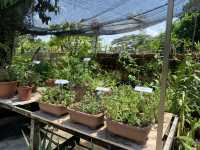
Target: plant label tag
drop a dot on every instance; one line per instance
(103, 89)
(36, 62)
(143, 89)
(61, 82)
(86, 59)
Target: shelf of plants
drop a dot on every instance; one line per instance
(121, 118)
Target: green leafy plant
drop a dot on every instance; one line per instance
(26, 71)
(127, 62)
(57, 96)
(45, 69)
(184, 98)
(70, 68)
(106, 79)
(90, 104)
(129, 107)
(7, 74)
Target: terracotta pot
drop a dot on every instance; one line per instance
(50, 82)
(79, 92)
(89, 120)
(136, 134)
(53, 109)
(8, 89)
(24, 92)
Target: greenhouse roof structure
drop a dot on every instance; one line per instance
(108, 16)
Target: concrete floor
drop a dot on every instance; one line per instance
(10, 133)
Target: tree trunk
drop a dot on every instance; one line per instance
(6, 47)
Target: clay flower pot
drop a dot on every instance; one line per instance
(53, 109)
(136, 134)
(50, 82)
(8, 89)
(89, 120)
(24, 92)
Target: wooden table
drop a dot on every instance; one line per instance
(100, 137)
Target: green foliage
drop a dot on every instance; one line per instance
(127, 62)
(6, 3)
(184, 28)
(129, 107)
(79, 45)
(27, 43)
(139, 43)
(24, 69)
(102, 80)
(7, 74)
(70, 68)
(90, 104)
(57, 96)
(45, 69)
(183, 95)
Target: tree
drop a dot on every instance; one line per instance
(15, 15)
(141, 42)
(186, 31)
(27, 43)
(73, 44)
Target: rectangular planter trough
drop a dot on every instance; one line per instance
(89, 120)
(53, 109)
(136, 134)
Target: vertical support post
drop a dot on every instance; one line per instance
(34, 135)
(163, 81)
(96, 43)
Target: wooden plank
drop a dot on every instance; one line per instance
(101, 136)
(15, 101)
(34, 135)
(171, 134)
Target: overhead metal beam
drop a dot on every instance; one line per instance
(164, 75)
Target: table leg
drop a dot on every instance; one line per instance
(34, 135)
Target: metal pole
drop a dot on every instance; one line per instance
(163, 81)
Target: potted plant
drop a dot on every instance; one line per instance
(55, 100)
(8, 83)
(24, 89)
(129, 114)
(89, 111)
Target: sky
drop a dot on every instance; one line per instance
(107, 39)
(153, 31)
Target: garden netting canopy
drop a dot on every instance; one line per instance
(106, 17)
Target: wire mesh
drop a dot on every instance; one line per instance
(113, 16)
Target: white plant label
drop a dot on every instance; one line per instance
(103, 89)
(61, 82)
(86, 59)
(36, 62)
(143, 89)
